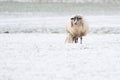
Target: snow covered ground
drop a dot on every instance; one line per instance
(34, 48)
(36, 56)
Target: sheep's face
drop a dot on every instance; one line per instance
(76, 20)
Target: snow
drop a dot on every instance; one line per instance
(34, 48)
(32, 43)
(36, 56)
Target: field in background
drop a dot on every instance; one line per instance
(51, 17)
(62, 8)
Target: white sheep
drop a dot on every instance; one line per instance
(76, 28)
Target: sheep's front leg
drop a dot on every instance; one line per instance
(75, 39)
(81, 40)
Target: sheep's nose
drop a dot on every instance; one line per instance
(75, 21)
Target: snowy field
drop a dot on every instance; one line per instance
(38, 56)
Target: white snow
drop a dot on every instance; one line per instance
(28, 55)
(46, 57)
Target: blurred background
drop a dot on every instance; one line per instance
(50, 16)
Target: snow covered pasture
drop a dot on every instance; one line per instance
(36, 56)
(34, 49)
(32, 44)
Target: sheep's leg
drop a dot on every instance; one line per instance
(81, 40)
(69, 39)
(73, 39)
(76, 40)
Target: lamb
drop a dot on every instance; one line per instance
(76, 28)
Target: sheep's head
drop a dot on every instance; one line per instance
(76, 20)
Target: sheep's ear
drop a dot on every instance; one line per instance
(72, 18)
(71, 24)
(71, 21)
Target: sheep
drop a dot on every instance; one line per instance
(76, 28)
